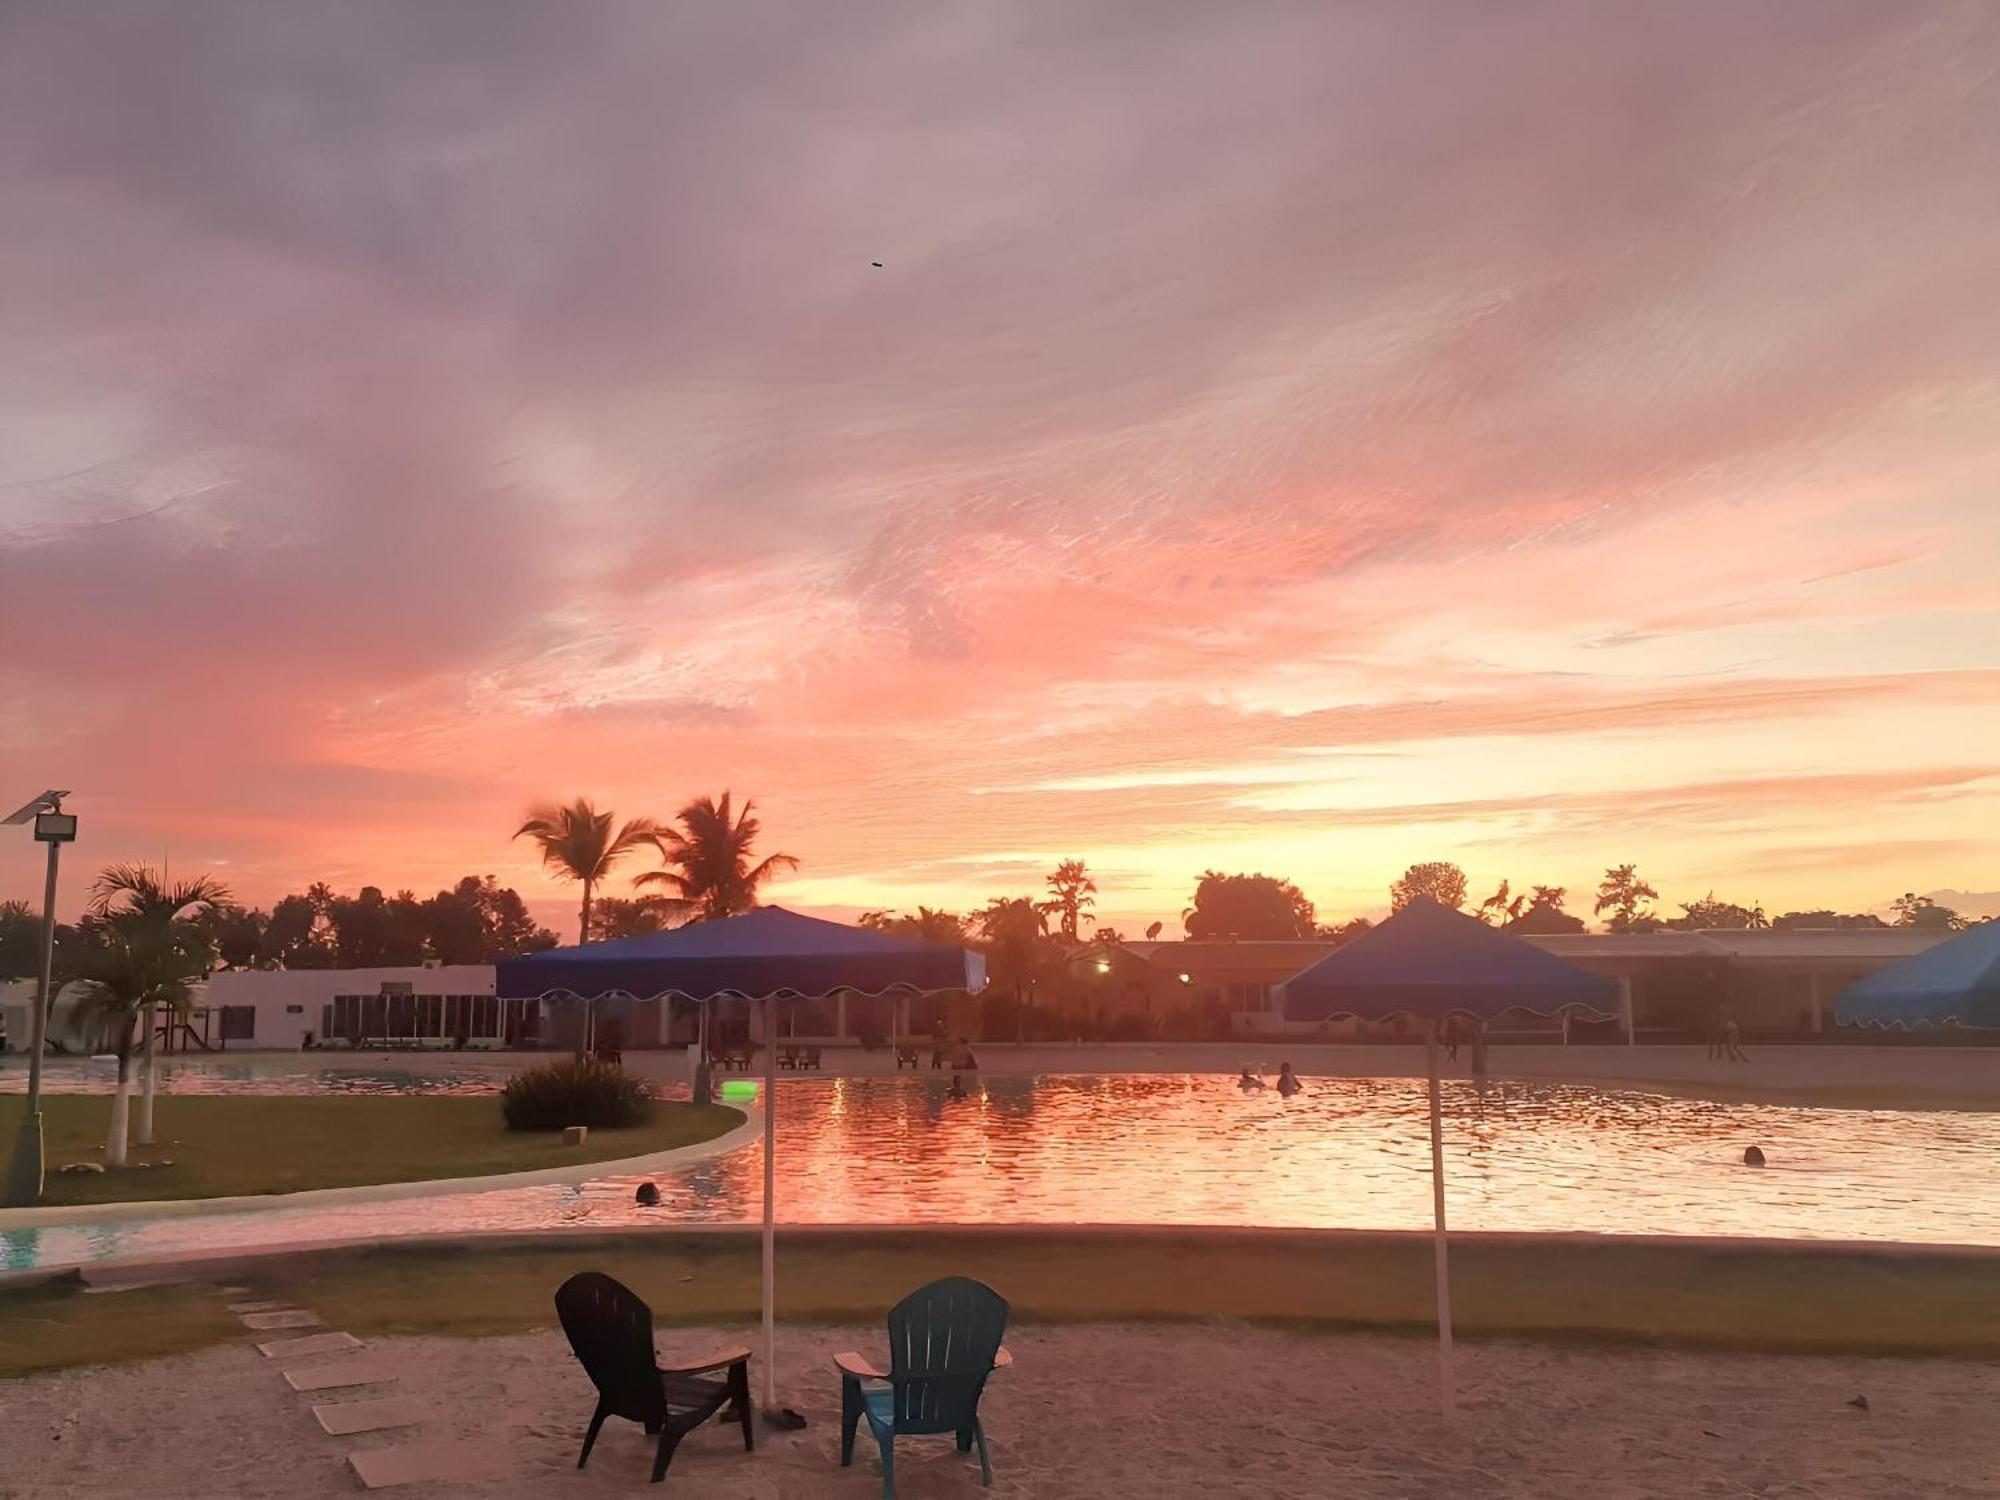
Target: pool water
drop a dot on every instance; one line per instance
(1194, 1149)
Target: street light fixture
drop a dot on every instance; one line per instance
(55, 828)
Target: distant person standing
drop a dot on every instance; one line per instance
(963, 1059)
(1478, 1048)
(1451, 1038)
(1732, 1041)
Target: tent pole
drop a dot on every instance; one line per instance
(1446, 1392)
(770, 1209)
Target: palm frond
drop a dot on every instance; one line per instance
(137, 890)
(769, 867)
(577, 841)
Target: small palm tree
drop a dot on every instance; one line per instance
(136, 966)
(707, 871)
(1503, 906)
(1014, 929)
(1070, 891)
(138, 894)
(578, 844)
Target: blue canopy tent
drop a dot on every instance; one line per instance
(769, 954)
(1958, 980)
(1429, 962)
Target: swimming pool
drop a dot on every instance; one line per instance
(1193, 1149)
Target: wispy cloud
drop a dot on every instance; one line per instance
(407, 412)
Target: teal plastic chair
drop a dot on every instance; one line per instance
(944, 1340)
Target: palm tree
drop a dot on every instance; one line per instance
(137, 965)
(578, 844)
(1014, 929)
(140, 895)
(1070, 889)
(1623, 894)
(1503, 905)
(707, 871)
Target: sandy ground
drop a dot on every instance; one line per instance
(1105, 1410)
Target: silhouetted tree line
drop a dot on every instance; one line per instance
(1015, 934)
(476, 921)
(709, 870)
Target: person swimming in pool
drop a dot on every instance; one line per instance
(958, 1089)
(1249, 1081)
(648, 1195)
(1288, 1081)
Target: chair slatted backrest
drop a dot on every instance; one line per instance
(611, 1331)
(942, 1340)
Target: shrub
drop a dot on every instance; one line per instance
(601, 1095)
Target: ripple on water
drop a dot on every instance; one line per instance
(1181, 1149)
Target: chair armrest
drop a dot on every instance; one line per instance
(720, 1360)
(854, 1367)
(1003, 1359)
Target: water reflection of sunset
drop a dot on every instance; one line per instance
(1177, 1149)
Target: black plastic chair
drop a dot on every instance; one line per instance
(611, 1330)
(944, 1340)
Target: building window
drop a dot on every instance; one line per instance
(239, 1023)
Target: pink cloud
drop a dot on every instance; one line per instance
(411, 415)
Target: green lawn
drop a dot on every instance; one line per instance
(225, 1145)
(1712, 1296)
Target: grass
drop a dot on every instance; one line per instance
(229, 1145)
(1757, 1298)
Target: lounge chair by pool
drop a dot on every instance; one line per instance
(944, 1340)
(611, 1330)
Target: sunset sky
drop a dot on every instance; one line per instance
(1308, 439)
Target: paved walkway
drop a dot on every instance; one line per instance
(358, 1400)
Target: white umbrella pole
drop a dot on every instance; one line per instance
(770, 1201)
(1446, 1386)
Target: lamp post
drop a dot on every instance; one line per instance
(55, 828)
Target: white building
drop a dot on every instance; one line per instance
(434, 1004)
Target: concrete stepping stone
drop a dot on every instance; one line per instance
(331, 1375)
(250, 1307)
(297, 1317)
(342, 1418)
(99, 1288)
(420, 1463)
(312, 1343)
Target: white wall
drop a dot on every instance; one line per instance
(72, 1027)
(290, 1003)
